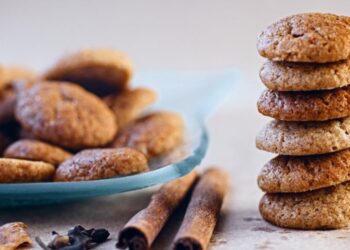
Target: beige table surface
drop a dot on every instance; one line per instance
(169, 35)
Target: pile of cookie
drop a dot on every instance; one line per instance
(80, 120)
(308, 79)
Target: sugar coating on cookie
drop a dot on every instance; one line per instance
(304, 138)
(304, 173)
(327, 208)
(305, 106)
(94, 164)
(154, 134)
(308, 37)
(130, 103)
(285, 76)
(65, 115)
(101, 71)
(35, 150)
(16, 171)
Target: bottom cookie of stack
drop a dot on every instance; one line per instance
(327, 208)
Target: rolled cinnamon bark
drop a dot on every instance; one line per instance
(140, 232)
(203, 211)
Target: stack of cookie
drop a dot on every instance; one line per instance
(308, 95)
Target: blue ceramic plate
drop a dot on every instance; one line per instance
(193, 94)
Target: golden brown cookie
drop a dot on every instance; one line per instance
(306, 106)
(95, 164)
(35, 150)
(304, 138)
(284, 76)
(129, 104)
(65, 115)
(9, 74)
(101, 71)
(308, 37)
(153, 134)
(327, 208)
(14, 170)
(14, 236)
(304, 173)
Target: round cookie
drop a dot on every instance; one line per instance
(65, 115)
(36, 151)
(289, 174)
(304, 138)
(15, 171)
(284, 76)
(101, 71)
(129, 104)
(305, 106)
(327, 208)
(154, 134)
(308, 37)
(95, 164)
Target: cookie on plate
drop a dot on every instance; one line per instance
(327, 208)
(305, 106)
(65, 114)
(15, 171)
(284, 76)
(95, 164)
(289, 174)
(35, 150)
(129, 104)
(304, 138)
(101, 71)
(154, 134)
(308, 37)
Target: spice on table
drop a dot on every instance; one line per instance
(14, 235)
(140, 232)
(77, 238)
(203, 211)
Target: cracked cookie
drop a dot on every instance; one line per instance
(284, 76)
(305, 106)
(101, 71)
(327, 208)
(65, 115)
(304, 138)
(308, 37)
(14, 170)
(304, 173)
(95, 164)
(35, 150)
(153, 134)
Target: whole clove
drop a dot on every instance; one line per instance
(78, 238)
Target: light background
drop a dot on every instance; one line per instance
(175, 35)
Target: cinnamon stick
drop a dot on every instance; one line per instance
(203, 211)
(140, 232)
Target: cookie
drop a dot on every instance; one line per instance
(36, 151)
(14, 170)
(327, 208)
(95, 164)
(309, 37)
(65, 115)
(304, 138)
(154, 134)
(7, 104)
(101, 71)
(9, 74)
(304, 173)
(129, 104)
(284, 76)
(305, 106)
